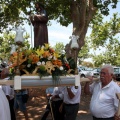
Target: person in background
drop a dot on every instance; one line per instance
(49, 92)
(104, 103)
(71, 99)
(39, 22)
(9, 92)
(57, 102)
(53, 104)
(5, 71)
(19, 104)
(4, 106)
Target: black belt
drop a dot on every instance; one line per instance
(71, 104)
(110, 118)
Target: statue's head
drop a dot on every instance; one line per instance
(39, 6)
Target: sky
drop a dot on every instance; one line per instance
(58, 33)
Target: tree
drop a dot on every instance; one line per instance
(59, 47)
(109, 56)
(87, 64)
(78, 12)
(84, 52)
(106, 35)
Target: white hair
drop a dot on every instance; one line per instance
(109, 68)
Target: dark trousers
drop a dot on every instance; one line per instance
(56, 105)
(111, 118)
(12, 112)
(55, 109)
(71, 111)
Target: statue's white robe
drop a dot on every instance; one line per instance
(4, 106)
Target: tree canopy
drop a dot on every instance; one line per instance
(78, 12)
(105, 37)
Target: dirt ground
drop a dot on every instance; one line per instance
(37, 103)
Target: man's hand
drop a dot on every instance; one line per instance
(90, 78)
(117, 117)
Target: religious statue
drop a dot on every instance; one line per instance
(39, 22)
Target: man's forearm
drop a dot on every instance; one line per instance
(86, 88)
(71, 95)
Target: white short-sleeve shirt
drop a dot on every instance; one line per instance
(76, 92)
(4, 106)
(104, 102)
(8, 90)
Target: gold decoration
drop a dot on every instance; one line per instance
(49, 67)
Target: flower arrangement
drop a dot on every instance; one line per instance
(42, 61)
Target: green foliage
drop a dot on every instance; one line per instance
(84, 52)
(103, 5)
(87, 64)
(13, 12)
(71, 63)
(105, 35)
(59, 47)
(6, 40)
(102, 31)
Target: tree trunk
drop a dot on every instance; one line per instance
(82, 13)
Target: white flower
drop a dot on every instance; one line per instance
(55, 58)
(25, 48)
(50, 57)
(61, 68)
(42, 47)
(41, 56)
(28, 65)
(20, 50)
(43, 63)
(38, 63)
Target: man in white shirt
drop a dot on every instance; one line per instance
(71, 100)
(53, 103)
(9, 92)
(104, 103)
(4, 106)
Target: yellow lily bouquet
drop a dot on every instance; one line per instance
(42, 61)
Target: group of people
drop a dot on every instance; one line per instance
(103, 104)
(11, 100)
(63, 101)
